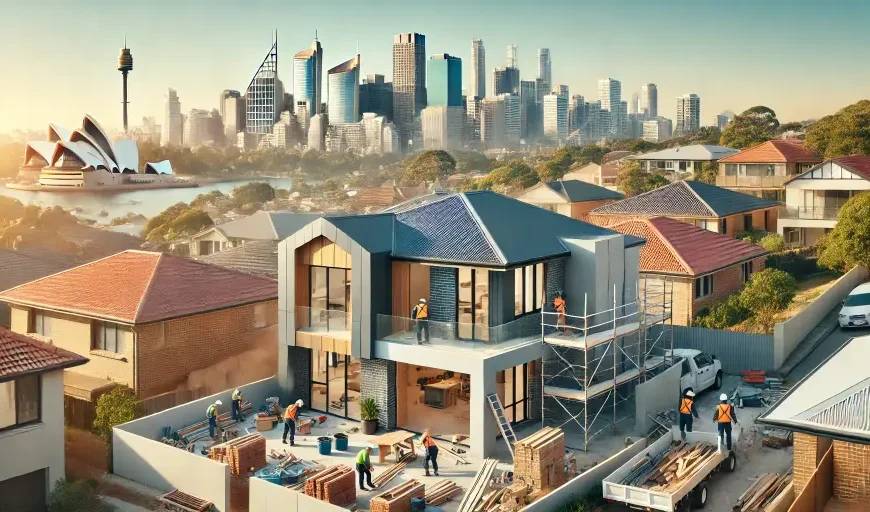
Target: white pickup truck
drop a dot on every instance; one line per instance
(700, 371)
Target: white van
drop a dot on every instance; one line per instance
(856, 308)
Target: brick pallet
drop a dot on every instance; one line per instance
(240, 493)
(335, 485)
(244, 455)
(399, 498)
(539, 460)
(182, 502)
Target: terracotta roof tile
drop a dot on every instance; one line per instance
(857, 164)
(139, 287)
(20, 355)
(675, 247)
(774, 151)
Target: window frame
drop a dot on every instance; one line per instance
(537, 303)
(510, 408)
(329, 372)
(18, 423)
(478, 332)
(100, 326)
(703, 286)
(347, 298)
(746, 270)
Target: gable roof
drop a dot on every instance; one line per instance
(686, 199)
(21, 355)
(674, 247)
(859, 165)
(137, 287)
(257, 257)
(774, 151)
(693, 152)
(575, 191)
(833, 400)
(264, 225)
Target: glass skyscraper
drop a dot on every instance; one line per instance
(264, 96)
(307, 73)
(445, 81)
(343, 86)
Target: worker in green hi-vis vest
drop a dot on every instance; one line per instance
(364, 468)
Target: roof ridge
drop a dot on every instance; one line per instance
(68, 270)
(477, 220)
(693, 191)
(144, 296)
(670, 247)
(272, 223)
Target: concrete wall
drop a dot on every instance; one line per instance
(584, 483)
(592, 271)
(787, 335)
(268, 497)
(40, 445)
(660, 393)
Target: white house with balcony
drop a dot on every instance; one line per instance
(813, 199)
(682, 160)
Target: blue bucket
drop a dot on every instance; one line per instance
(418, 504)
(341, 442)
(324, 445)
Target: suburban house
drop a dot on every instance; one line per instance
(572, 198)
(19, 268)
(258, 257)
(259, 226)
(603, 175)
(763, 169)
(151, 321)
(486, 264)
(681, 160)
(707, 206)
(31, 419)
(704, 267)
(828, 412)
(813, 199)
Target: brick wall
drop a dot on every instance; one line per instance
(535, 389)
(555, 282)
(725, 282)
(442, 294)
(299, 360)
(170, 351)
(851, 472)
(805, 460)
(378, 378)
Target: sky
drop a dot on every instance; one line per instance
(803, 58)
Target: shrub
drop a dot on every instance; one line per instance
(724, 314)
(770, 289)
(78, 496)
(772, 242)
(798, 263)
(116, 407)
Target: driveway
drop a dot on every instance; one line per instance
(825, 348)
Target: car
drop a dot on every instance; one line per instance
(700, 370)
(856, 308)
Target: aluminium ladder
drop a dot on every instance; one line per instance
(507, 432)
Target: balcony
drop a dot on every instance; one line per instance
(323, 329)
(751, 181)
(810, 212)
(463, 336)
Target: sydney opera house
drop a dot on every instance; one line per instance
(86, 159)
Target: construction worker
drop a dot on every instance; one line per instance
(212, 414)
(723, 417)
(561, 308)
(431, 451)
(237, 405)
(687, 411)
(290, 415)
(364, 468)
(420, 313)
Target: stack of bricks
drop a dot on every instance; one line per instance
(851, 472)
(244, 455)
(335, 485)
(399, 498)
(808, 452)
(539, 460)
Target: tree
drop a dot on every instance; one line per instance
(77, 496)
(632, 180)
(770, 289)
(708, 173)
(429, 166)
(255, 192)
(174, 222)
(793, 126)
(772, 242)
(551, 171)
(848, 244)
(845, 133)
(114, 408)
(754, 126)
(511, 177)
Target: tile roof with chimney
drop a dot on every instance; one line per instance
(138, 287)
(21, 355)
(776, 151)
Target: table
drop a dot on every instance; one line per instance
(441, 394)
(386, 442)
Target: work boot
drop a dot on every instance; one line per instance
(363, 489)
(427, 472)
(284, 441)
(292, 443)
(436, 473)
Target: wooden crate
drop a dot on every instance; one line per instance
(539, 460)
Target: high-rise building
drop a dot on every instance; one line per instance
(232, 110)
(373, 126)
(545, 68)
(409, 82)
(264, 97)
(345, 137)
(442, 127)
(511, 60)
(610, 96)
(561, 90)
(657, 130)
(204, 128)
(649, 101)
(578, 115)
(530, 112)
(173, 123)
(343, 89)
(478, 69)
(307, 73)
(391, 142)
(505, 81)
(500, 121)
(376, 96)
(285, 131)
(445, 81)
(634, 104)
(688, 114)
(317, 132)
(472, 118)
(722, 121)
(595, 121)
(556, 116)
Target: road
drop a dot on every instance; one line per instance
(827, 347)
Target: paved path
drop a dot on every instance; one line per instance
(825, 348)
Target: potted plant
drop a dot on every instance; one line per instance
(369, 414)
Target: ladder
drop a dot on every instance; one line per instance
(507, 432)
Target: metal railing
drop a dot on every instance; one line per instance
(751, 181)
(810, 212)
(457, 334)
(322, 320)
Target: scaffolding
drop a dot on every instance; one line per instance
(596, 359)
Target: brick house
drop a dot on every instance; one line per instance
(152, 321)
(763, 169)
(705, 267)
(571, 198)
(828, 412)
(706, 206)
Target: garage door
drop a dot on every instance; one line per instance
(25, 493)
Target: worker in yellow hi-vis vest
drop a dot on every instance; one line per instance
(420, 313)
(724, 417)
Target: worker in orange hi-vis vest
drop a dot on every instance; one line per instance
(431, 451)
(290, 415)
(561, 308)
(724, 416)
(687, 412)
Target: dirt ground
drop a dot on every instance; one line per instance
(86, 454)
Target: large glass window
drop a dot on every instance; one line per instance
(19, 402)
(108, 337)
(335, 384)
(529, 289)
(514, 393)
(472, 304)
(330, 298)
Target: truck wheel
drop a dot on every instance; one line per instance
(718, 382)
(699, 496)
(730, 463)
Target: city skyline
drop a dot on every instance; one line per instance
(729, 74)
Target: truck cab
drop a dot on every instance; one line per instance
(700, 370)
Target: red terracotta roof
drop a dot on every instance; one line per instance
(20, 355)
(675, 247)
(774, 151)
(138, 287)
(857, 164)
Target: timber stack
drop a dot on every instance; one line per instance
(335, 485)
(441, 492)
(667, 472)
(766, 488)
(480, 490)
(539, 460)
(384, 477)
(179, 501)
(398, 499)
(244, 455)
(199, 430)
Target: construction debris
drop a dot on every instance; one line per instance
(539, 460)
(244, 455)
(183, 502)
(335, 485)
(668, 471)
(441, 492)
(199, 430)
(399, 498)
(762, 492)
(776, 438)
(384, 477)
(514, 498)
(478, 489)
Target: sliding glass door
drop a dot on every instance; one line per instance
(472, 303)
(330, 298)
(335, 384)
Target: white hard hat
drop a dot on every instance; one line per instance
(218, 402)
(690, 393)
(423, 301)
(723, 396)
(300, 403)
